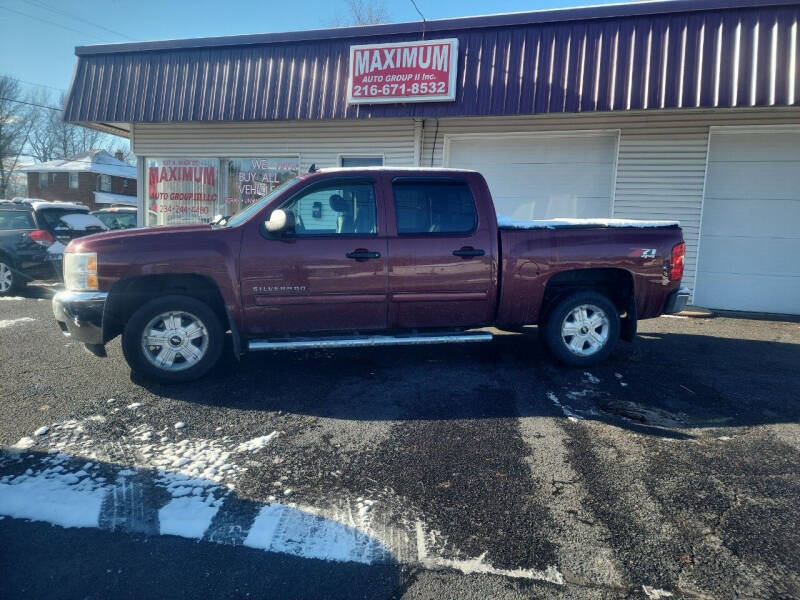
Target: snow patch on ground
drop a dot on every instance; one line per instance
(42, 430)
(479, 565)
(9, 322)
(61, 498)
(24, 443)
(256, 443)
(673, 317)
(12, 298)
(289, 530)
(590, 378)
(568, 412)
(655, 593)
(186, 516)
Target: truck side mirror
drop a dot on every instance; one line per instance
(280, 221)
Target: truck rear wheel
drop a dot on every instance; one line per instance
(172, 339)
(582, 328)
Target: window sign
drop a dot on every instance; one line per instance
(249, 179)
(181, 190)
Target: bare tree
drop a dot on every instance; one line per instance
(16, 121)
(362, 12)
(53, 138)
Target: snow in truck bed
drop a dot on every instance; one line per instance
(504, 222)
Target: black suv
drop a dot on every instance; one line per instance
(33, 234)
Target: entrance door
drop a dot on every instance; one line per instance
(329, 274)
(441, 261)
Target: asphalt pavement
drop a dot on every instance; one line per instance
(475, 471)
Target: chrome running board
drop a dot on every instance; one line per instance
(370, 340)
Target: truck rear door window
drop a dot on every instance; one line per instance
(434, 207)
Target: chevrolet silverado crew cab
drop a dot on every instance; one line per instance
(366, 257)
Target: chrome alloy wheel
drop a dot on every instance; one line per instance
(6, 277)
(175, 341)
(585, 330)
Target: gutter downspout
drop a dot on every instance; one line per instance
(419, 126)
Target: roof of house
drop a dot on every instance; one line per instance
(93, 161)
(632, 56)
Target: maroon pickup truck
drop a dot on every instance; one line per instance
(365, 257)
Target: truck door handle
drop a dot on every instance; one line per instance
(362, 254)
(468, 251)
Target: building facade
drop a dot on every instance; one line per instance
(95, 178)
(662, 110)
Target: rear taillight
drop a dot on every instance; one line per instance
(676, 262)
(42, 237)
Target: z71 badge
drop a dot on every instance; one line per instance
(643, 253)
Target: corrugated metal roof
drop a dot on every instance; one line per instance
(623, 57)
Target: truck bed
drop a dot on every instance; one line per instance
(504, 222)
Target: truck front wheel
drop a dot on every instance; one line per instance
(582, 328)
(173, 338)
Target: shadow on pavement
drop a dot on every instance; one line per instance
(661, 384)
(42, 561)
(114, 534)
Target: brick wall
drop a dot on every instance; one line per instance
(58, 188)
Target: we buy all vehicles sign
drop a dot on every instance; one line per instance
(423, 71)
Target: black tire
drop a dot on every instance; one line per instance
(134, 351)
(559, 345)
(16, 281)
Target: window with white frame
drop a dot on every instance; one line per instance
(73, 180)
(105, 183)
(43, 179)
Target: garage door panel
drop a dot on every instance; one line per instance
(764, 293)
(541, 180)
(751, 223)
(545, 150)
(738, 217)
(767, 146)
(750, 255)
(753, 180)
(525, 208)
(541, 177)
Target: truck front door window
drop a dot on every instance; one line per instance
(339, 209)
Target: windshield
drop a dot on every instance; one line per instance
(245, 214)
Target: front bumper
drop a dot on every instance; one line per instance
(676, 301)
(80, 315)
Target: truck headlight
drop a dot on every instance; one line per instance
(80, 271)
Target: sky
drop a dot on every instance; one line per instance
(38, 37)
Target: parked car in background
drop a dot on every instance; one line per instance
(117, 217)
(33, 235)
(366, 257)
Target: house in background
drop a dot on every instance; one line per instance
(94, 178)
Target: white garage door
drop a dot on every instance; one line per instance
(542, 176)
(750, 235)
